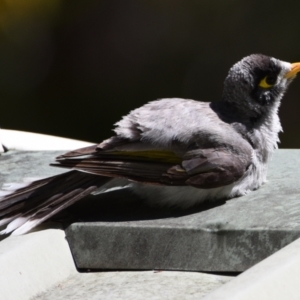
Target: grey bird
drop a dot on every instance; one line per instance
(172, 152)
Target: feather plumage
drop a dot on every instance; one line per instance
(166, 148)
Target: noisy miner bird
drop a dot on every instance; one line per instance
(173, 152)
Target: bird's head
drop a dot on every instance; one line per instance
(255, 85)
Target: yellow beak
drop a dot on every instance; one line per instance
(295, 68)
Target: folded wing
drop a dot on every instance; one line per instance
(201, 168)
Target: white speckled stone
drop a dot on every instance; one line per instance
(33, 263)
(135, 286)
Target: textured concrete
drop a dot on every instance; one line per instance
(15, 165)
(229, 237)
(275, 278)
(135, 286)
(33, 263)
(41, 263)
(22, 140)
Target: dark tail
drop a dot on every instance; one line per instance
(28, 206)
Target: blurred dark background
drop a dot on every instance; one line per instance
(72, 68)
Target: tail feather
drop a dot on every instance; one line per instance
(17, 195)
(45, 213)
(10, 211)
(8, 219)
(16, 223)
(31, 205)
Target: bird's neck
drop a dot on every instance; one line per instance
(269, 127)
(249, 112)
(260, 130)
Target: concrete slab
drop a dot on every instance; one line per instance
(227, 238)
(15, 165)
(135, 286)
(33, 263)
(39, 265)
(46, 263)
(275, 278)
(22, 140)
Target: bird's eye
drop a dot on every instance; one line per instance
(268, 81)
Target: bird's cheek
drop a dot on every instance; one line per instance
(265, 98)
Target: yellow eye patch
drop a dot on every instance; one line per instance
(267, 82)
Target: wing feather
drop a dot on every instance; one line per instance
(202, 168)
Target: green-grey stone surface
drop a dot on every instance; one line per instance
(16, 165)
(119, 232)
(227, 238)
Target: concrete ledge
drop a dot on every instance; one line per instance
(33, 263)
(41, 262)
(277, 277)
(29, 141)
(231, 237)
(39, 265)
(135, 286)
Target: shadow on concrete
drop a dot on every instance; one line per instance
(119, 206)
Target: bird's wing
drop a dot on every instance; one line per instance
(202, 168)
(171, 142)
(209, 168)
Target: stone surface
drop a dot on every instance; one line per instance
(39, 265)
(275, 278)
(226, 238)
(23, 140)
(127, 235)
(135, 286)
(33, 263)
(15, 165)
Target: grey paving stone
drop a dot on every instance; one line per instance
(33, 263)
(15, 165)
(135, 286)
(227, 238)
(127, 235)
